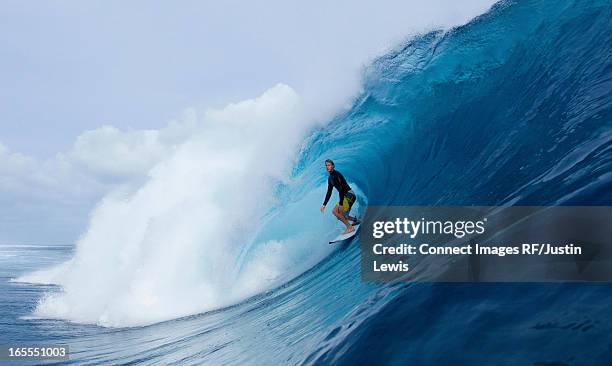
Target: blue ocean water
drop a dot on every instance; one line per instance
(512, 108)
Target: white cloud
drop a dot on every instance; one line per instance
(110, 153)
(107, 151)
(13, 165)
(28, 177)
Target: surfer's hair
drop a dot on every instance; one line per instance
(331, 162)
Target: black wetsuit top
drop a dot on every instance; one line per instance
(336, 179)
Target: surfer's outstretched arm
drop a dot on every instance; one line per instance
(330, 187)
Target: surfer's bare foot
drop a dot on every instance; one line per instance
(349, 229)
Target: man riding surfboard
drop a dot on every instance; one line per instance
(346, 195)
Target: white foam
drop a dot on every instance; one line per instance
(169, 248)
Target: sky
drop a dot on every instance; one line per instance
(93, 93)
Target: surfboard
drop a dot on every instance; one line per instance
(343, 237)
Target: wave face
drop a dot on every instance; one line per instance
(513, 108)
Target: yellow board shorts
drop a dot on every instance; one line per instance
(347, 202)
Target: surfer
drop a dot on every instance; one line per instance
(347, 196)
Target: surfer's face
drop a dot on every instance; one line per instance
(329, 167)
